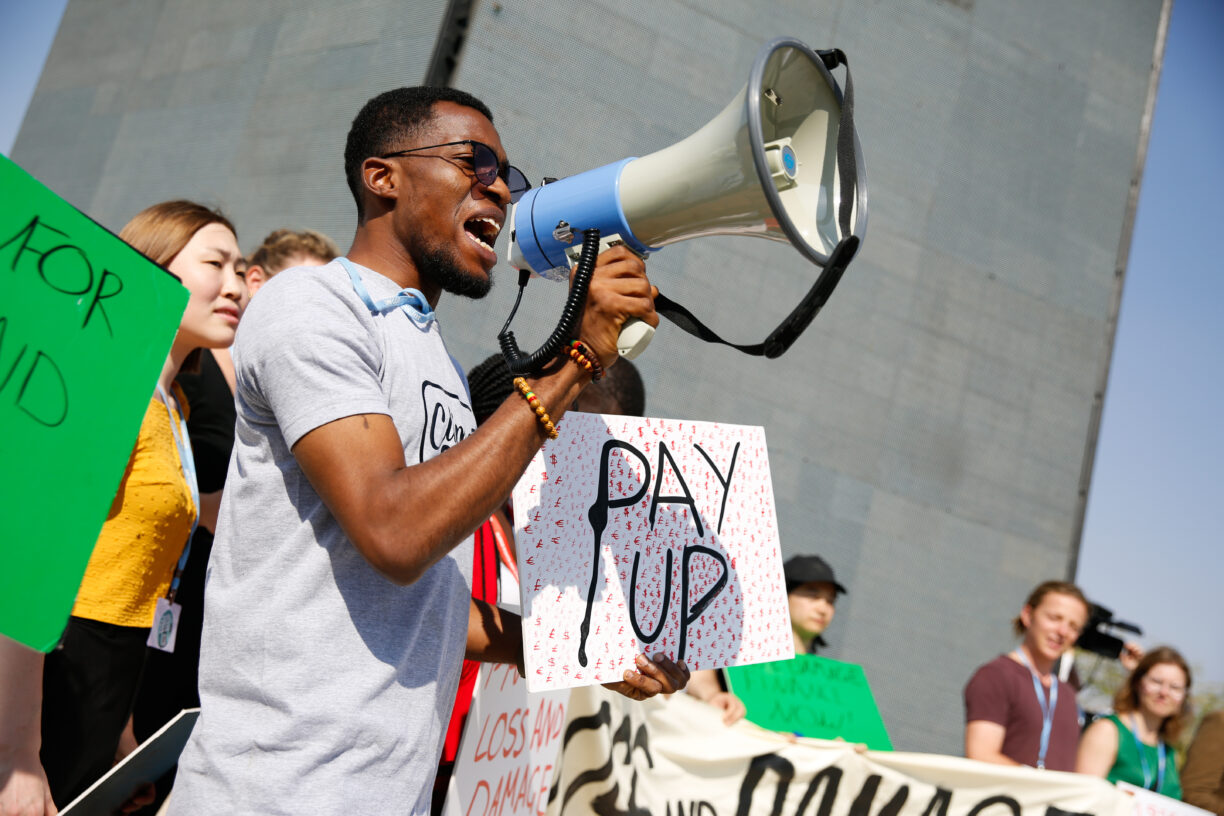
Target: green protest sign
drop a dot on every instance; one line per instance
(812, 696)
(85, 326)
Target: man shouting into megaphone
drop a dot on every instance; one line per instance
(338, 603)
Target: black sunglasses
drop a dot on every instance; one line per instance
(484, 163)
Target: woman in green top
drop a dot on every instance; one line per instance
(1132, 745)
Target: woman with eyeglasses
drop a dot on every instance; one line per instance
(1150, 709)
(85, 687)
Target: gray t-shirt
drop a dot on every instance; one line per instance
(325, 687)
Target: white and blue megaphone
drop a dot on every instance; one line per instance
(782, 161)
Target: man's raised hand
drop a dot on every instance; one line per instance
(619, 290)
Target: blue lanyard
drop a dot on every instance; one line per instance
(1143, 763)
(179, 428)
(1047, 706)
(411, 301)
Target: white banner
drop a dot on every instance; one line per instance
(644, 536)
(674, 757)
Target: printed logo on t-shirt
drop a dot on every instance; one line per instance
(448, 420)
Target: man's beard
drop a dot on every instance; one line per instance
(439, 266)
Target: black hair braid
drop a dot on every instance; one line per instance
(490, 383)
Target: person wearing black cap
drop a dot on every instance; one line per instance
(811, 592)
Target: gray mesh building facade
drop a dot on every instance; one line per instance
(931, 434)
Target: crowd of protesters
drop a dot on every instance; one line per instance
(297, 477)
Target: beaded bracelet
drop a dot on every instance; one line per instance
(537, 406)
(585, 358)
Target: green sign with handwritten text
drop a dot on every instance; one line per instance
(811, 696)
(85, 326)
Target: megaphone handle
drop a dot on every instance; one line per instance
(635, 336)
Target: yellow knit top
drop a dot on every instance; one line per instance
(145, 532)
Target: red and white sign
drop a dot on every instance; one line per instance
(1148, 803)
(644, 536)
(509, 748)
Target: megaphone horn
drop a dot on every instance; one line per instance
(782, 161)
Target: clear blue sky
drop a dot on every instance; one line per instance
(1152, 548)
(27, 28)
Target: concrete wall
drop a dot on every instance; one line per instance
(239, 104)
(927, 433)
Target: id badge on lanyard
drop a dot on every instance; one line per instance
(1143, 760)
(166, 615)
(1047, 707)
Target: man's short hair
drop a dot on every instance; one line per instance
(1049, 588)
(390, 119)
(282, 245)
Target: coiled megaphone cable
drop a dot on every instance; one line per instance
(521, 364)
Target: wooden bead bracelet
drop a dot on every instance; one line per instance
(534, 402)
(585, 358)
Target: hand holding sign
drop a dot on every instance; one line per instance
(660, 675)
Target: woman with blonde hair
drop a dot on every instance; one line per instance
(89, 681)
(286, 248)
(1150, 711)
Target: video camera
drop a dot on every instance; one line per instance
(1097, 637)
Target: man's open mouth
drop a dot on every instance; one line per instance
(483, 231)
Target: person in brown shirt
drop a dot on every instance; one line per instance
(1015, 711)
(1202, 777)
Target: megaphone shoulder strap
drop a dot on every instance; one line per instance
(788, 331)
(846, 168)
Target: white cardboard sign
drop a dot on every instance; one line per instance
(509, 748)
(639, 535)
